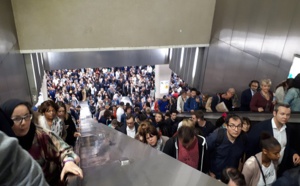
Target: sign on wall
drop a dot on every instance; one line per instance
(164, 87)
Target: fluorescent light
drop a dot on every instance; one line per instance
(195, 62)
(181, 57)
(170, 54)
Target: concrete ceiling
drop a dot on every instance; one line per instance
(90, 25)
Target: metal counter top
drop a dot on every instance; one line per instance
(110, 158)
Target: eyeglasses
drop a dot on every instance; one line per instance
(235, 127)
(18, 120)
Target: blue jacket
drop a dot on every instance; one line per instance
(292, 98)
(191, 104)
(163, 105)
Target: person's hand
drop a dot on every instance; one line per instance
(260, 109)
(71, 167)
(296, 159)
(77, 134)
(211, 174)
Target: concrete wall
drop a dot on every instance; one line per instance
(251, 39)
(111, 25)
(13, 74)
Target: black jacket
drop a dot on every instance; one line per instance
(171, 148)
(246, 99)
(123, 128)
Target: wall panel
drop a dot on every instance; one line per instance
(272, 39)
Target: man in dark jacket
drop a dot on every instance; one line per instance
(247, 95)
(276, 127)
(130, 129)
(225, 97)
(189, 149)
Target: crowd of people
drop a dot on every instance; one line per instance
(231, 149)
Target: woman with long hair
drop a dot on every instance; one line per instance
(70, 125)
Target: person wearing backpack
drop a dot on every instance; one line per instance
(226, 146)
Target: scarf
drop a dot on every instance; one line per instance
(26, 141)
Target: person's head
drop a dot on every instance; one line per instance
(141, 117)
(159, 117)
(122, 104)
(246, 124)
(164, 98)
(173, 115)
(285, 84)
(114, 123)
(186, 136)
(48, 109)
(270, 146)
(130, 121)
(167, 115)
(62, 110)
(233, 177)
(107, 114)
(183, 93)
(128, 110)
(141, 132)
(253, 85)
(265, 85)
(152, 136)
(107, 107)
(193, 92)
(20, 113)
(234, 125)
(197, 116)
(281, 113)
(188, 123)
(137, 110)
(148, 110)
(230, 93)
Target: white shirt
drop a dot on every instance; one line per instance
(130, 132)
(270, 175)
(252, 92)
(120, 111)
(280, 135)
